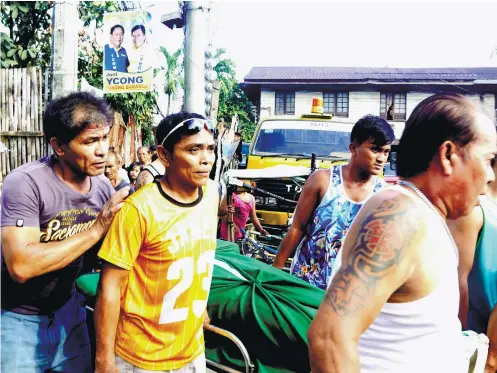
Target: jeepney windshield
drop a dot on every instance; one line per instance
(302, 138)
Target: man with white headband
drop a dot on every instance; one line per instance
(159, 251)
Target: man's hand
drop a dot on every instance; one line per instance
(264, 232)
(109, 210)
(106, 365)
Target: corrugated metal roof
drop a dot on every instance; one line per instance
(260, 74)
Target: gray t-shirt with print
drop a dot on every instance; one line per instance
(34, 196)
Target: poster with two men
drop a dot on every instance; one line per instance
(129, 56)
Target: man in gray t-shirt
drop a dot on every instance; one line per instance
(54, 212)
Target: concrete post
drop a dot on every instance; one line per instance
(196, 42)
(65, 45)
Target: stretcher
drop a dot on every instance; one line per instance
(259, 315)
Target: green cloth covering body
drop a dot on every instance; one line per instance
(269, 311)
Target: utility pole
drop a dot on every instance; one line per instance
(196, 42)
(65, 47)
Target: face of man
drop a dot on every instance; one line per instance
(138, 38)
(116, 38)
(237, 138)
(144, 156)
(111, 168)
(472, 174)
(86, 153)
(371, 157)
(192, 159)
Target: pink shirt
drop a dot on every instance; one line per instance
(240, 217)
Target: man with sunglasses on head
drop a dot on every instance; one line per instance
(159, 255)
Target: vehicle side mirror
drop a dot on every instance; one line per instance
(393, 160)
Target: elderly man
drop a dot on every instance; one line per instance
(144, 156)
(115, 56)
(393, 304)
(54, 210)
(112, 167)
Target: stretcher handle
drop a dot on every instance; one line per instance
(249, 366)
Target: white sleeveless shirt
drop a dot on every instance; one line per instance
(425, 335)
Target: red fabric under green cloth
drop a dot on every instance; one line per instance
(269, 310)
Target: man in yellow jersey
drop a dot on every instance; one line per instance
(159, 251)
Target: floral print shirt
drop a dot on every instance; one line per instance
(316, 253)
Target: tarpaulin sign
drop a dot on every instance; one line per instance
(129, 57)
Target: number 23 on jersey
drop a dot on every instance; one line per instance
(189, 273)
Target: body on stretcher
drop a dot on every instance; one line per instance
(258, 311)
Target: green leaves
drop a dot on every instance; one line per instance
(23, 8)
(142, 106)
(232, 100)
(27, 42)
(173, 73)
(14, 11)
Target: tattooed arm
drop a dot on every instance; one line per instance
(375, 264)
(144, 177)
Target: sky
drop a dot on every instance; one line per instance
(347, 34)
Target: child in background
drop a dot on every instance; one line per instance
(133, 171)
(244, 203)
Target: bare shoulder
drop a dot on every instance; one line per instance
(144, 178)
(391, 202)
(319, 179)
(379, 254)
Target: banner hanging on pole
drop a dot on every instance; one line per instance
(129, 55)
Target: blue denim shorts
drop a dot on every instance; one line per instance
(55, 343)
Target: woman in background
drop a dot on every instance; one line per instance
(244, 204)
(133, 171)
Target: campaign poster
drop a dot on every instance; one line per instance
(129, 55)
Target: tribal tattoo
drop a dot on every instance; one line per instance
(378, 250)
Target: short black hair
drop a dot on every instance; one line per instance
(238, 134)
(138, 27)
(168, 123)
(372, 127)
(66, 117)
(152, 148)
(436, 119)
(114, 27)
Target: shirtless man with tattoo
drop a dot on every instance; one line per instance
(393, 304)
(149, 173)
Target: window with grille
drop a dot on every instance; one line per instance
(393, 106)
(336, 103)
(285, 103)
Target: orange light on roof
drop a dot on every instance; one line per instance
(317, 105)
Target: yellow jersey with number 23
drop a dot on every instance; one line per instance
(169, 248)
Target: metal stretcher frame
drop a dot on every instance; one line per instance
(249, 366)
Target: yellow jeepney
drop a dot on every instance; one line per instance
(286, 140)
